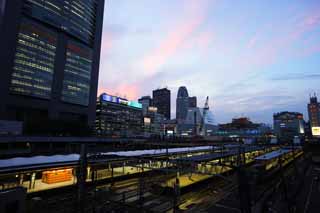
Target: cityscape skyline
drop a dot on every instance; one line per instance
(275, 52)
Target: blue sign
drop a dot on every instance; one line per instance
(106, 97)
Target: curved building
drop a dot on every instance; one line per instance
(182, 104)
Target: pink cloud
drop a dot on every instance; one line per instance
(177, 36)
(129, 91)
(106, 44)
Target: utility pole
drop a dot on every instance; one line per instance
(243, 186)
(141, 190)
(81, 178)
(284, 184)
(176, 194)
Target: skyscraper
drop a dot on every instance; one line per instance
(49, 71)
(161, 100)
(314, 114)
(182, 104)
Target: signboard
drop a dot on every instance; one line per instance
(316, 131)
(110, 98)
(114, 99)
(135, 104)
(106, 97)
(123, 101)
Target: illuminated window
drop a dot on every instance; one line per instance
(76, 17)
(34, 61)
(77, 74)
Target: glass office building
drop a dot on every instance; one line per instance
(34, 61)
(51, 63)
(76, 17)
(77, 74)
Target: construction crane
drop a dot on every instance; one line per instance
(202, 129)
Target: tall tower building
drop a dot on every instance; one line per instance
(314, 114)
(161, 100)
(192, 102)
(182, 104)
(49, 69)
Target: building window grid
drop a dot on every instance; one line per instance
(77, 76)
(74, 16)
(33, 64)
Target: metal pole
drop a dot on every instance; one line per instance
(82, 179)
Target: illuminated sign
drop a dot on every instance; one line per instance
(106, 97)
(115, 99)
(170, 132)
(123, 101)
(135, 104)
(316, 131)
(110, 98)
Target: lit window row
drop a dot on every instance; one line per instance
(77, 74)
(76, 17)
(34, 61)
(37, 47)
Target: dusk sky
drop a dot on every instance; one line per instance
(251, 57)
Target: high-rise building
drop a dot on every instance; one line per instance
(288, 124)
(161, 100)
(314, 115)
(49, 69)
(192, 102)
(117, 116)
(146, 102)
(182, 104)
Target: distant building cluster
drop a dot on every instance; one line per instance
(151, 118)
(49, 78)
(243, 127)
